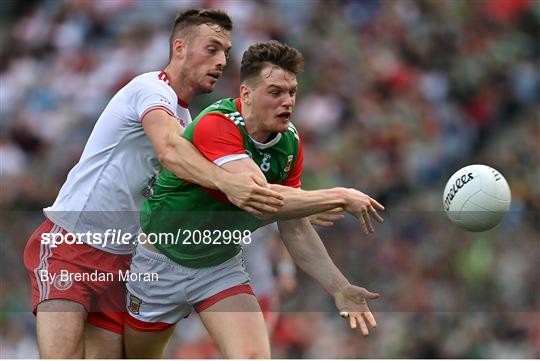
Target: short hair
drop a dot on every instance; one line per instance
(259, 55)
(195, 17)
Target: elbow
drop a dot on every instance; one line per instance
(167, 155)
(166, 158)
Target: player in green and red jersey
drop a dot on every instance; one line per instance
(220, 134)
(251, 133)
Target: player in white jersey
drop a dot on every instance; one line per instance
(79, 307)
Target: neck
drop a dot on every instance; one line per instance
(177, 80)
(253, 126)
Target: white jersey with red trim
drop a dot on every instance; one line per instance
(106, 188)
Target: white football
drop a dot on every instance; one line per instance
(476, 198)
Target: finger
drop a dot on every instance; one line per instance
(363, 222)
(370, 295)
(352, 322)
(268, 195)
(370, 319)
(252, 211)
(374, 214)
(265, 188)
(262, 207)
(268, 200)
(376, 204)
(365, 215)
(335, 210)
(363, 325)
(330, 217)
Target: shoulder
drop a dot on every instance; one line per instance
(292, 133)
(216, 120)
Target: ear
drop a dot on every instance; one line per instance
(245, 94)
(179, 48)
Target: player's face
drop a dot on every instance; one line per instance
(273, 99)
(206, 56)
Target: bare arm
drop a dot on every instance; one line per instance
(248, 190)
(299, 203)
(309, 253)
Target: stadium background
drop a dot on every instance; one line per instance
(396, 96)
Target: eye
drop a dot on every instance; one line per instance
(211, 49)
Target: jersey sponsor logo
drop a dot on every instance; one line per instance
(289, 163)
(134, 305)
(63, 283)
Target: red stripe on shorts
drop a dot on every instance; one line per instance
(145, 326)
(235, 290)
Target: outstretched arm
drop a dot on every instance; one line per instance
(309, 253)
(220, 141)
(299, 203)
(247, 190)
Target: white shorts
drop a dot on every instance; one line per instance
(170, 290)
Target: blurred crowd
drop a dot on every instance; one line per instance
(395, 97)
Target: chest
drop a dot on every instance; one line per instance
(275, 162)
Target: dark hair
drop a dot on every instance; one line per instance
(194, 17)
(257, 56)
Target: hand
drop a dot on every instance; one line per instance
(362, 207)
(251, 193)
(326, 219)
(351, 302)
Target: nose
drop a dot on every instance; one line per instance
(222, 60)
(288, 101)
